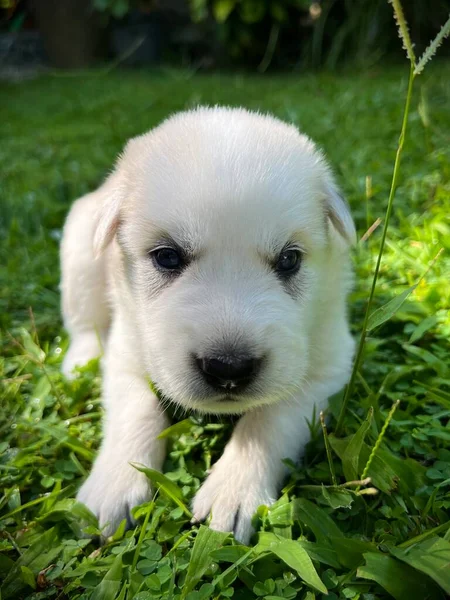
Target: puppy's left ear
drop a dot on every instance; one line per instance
(338, 212)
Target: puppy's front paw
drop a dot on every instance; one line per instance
(231, 494)
(111, 491)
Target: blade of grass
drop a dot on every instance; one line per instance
(165, 485)
(206, 541)
(386, 312)
(431, 556)
(142, 536)
(350, 458)
(401, 582)
(328, 449)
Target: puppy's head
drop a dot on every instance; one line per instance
(234, 242)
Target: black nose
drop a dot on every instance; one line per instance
(229, 372)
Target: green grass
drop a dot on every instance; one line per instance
(59, 138)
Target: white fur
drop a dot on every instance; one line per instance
(234, 187)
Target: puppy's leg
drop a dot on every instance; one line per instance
(133, 420)
(250, 471)
(83, 285)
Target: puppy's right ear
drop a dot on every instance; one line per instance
(108, 216)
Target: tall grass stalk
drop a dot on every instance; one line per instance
(433, 46)
(403, 31)
(415, 69)
(395, 175)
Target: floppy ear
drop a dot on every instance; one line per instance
(108, 215)
(338, 212)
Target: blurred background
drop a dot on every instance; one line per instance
(257, 35)
(78, 78)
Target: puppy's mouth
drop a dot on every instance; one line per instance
(229, 397)
(232, 391)
(232, 398)
(229, 391)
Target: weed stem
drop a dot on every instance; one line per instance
(379, 440)
(395, 175)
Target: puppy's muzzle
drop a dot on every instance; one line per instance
(229, 373)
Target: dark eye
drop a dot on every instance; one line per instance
(288, 262)
(167, 259)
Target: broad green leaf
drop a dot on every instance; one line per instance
(262, 589)
(387, 470)
(337, 497)
(422, 328)
(350, 551)
(206, 591)
(177, 429)
(407, 474)
(222, 9)
(229, 553)
(111, 583)
(28, 576)
(399, 580)
(152, 550)
(169, 530)
(386, 312)
(207, 541)
(167, 487)
(431, 556)
(294, 555)
(146, 567)
(316, 518)
(321, 553)
(351, 456)
(280, 513)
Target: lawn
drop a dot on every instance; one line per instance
(60, 135)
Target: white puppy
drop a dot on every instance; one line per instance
(214, 261)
